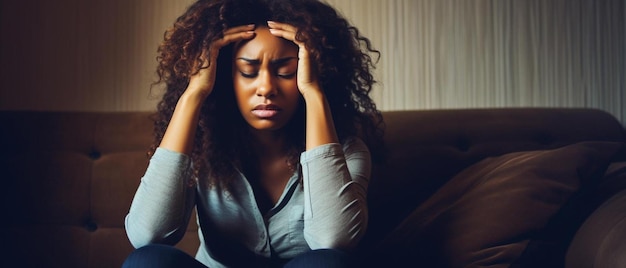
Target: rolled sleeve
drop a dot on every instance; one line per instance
(335, 179)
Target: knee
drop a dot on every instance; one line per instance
(322, 258)
(154, 255)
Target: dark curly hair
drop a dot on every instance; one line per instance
(344, 73)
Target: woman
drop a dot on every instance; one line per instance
(264, 128)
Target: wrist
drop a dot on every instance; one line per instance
(313, 93)
(193, 97)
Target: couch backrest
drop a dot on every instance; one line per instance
(427, 147)
(68, 182)
(69, 177)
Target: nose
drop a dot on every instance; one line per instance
(266, 85)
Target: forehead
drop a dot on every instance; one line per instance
(266, 45)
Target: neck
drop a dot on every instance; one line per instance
(269, 143)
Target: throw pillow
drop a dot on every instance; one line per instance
(488, 213)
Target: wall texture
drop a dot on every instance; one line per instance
(100, 54)
(497, 53)
(96, 55)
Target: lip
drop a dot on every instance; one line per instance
(266, 110)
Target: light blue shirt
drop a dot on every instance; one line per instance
(328, 210)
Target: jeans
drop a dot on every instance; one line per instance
(162, 256)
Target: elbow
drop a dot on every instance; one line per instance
(140, 239)
(343, 235)
(139, 242)
(140, 236)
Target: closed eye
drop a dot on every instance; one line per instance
(287, 75)
(248, 75)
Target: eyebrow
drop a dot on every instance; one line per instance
(273, 62)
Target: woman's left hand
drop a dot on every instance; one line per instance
(306, 77)
(320, 128)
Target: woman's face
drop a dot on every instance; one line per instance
(264, 74)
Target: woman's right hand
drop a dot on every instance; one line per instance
(180, 132)
(203, 81)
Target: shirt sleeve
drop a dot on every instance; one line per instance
(164, 200)
(335, 180)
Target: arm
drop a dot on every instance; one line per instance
(320, 128)
(181, 130)
(162, 205)
(335, 179)
(335, 194)
(335, 182)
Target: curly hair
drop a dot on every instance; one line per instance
(343, 68)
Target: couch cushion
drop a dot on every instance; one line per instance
(487, 214)
(426, 148)
(599, 241)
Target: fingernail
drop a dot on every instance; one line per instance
(270, 23)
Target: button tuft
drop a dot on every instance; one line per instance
(94, 155)
(91, 226)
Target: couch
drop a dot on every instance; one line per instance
(498, 187)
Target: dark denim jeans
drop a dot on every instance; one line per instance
(163, 256)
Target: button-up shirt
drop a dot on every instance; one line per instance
(326, 209)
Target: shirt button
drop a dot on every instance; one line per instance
(262, 235)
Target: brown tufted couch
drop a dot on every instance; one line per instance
(69, 177)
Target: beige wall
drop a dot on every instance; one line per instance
(82, 55)
(100, 55)
(497, 53)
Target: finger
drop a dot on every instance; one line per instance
(282, 26)
(242, 28)
(284, 34)
(283, 30)
(235, 34)
(234, 37)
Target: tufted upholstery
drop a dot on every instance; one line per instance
(68, 181)
(437, 144)
(69, 177)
